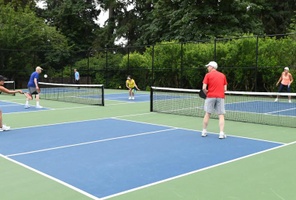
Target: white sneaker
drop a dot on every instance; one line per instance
(133, 97)
(130, 98)
(276, 100)
(290, 101)
(4, 128)
(204, 134)
(27, 106)
(222, 136)
(39, 106)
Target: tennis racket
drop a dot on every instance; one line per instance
(202, 94)
(27, 95)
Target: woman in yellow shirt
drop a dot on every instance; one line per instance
(132, 86)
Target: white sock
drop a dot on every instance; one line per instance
(204, 130)
(37, 103)
(27, 102)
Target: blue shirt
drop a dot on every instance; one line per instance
(31, 82)
(76, 76)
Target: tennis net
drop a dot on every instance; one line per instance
(251, 107)
(75, 93)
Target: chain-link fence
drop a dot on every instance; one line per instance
(251, 63)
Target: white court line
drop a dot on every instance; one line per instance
(80, 121)
(123, 103)
(119, 117)
(277, 111)
(199, 131)
(10, 105)
(15, 101)
(90, 106)
(120, 96)
(258, 113)
(26, 111)
(266, 113)
(51, 177)
(72, 108)
(91, 142)
(12, 102)
(196, 171)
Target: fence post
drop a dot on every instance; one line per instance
(181, 63)
(128, 59)
(215, 49)
(256, 70)
(152, 65)
(88, 68)
(106, 67)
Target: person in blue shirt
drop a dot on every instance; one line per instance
(76, 76)
(33, 88)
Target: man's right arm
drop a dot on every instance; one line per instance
(204, 88)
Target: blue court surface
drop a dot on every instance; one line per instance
(264, 107)
(108, 156)
(8, 107)
(139, 97)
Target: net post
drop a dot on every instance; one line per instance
(13, 87)
(103, 96)
(151, 98)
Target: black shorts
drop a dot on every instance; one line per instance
(284, 88)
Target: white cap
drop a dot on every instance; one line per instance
(286, 68)
(212, 64)
(38, 68)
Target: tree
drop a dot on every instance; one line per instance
(292, 26)
(192, 20)
(75, 19)
(276, 16)
(21, 4)
(127, 20)
(25, 41)
(150, 22)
